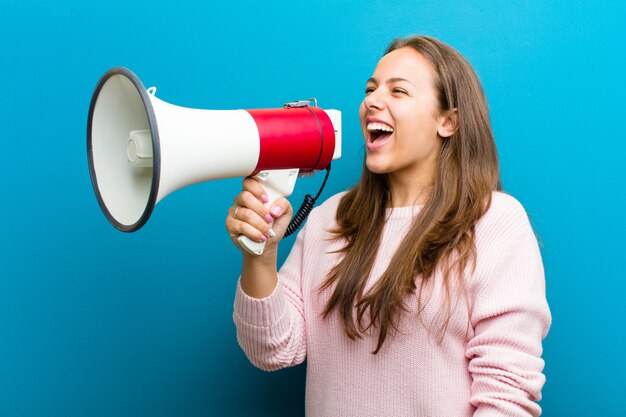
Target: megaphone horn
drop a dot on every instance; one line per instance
(141, 149)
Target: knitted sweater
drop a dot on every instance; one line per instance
(491, 367)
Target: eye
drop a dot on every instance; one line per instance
(369, 89)
(400, 91)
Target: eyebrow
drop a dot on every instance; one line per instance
(390, 81)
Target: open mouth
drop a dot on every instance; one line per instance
(379, 132)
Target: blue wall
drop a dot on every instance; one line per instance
(94, 322)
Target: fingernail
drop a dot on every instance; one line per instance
(269, 218)
(276, 210)
(265, 198)
(263, 238)
(271, 233)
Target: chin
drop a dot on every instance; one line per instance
(376, 168)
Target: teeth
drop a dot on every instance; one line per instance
(379, 126)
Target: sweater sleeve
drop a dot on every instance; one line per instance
(271, 331)
(510, 318)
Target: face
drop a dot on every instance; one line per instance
(400, 117)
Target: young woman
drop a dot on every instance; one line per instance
(421, 291)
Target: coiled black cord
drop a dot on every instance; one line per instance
(305, 208)
(301, 215)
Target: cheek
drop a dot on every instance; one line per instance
(409, 126)
(418, 125)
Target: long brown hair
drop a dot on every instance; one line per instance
(442, 234)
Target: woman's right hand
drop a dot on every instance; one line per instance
(250, 217)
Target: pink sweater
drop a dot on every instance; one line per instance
(493, 368)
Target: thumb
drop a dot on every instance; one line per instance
(281, 211)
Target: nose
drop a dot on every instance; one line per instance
(374, 101)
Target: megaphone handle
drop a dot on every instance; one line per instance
(277, 183)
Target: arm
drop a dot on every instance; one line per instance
(268, 311)
(510, 318)
(250, 217)
(271, 330)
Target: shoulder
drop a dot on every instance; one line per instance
(316, 236)
(506, 220)
(322, 218)
(502, 202)
(334, 200)
(505, 214)
(328, 209)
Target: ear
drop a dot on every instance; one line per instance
(449, 123)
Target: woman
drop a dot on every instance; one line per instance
(419, 292)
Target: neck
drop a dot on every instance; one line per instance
(409, 190)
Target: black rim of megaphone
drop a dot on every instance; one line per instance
(156, 149)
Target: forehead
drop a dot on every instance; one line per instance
(404, 63)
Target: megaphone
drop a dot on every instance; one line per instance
(141, 149)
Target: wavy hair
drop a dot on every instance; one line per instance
(442, 234)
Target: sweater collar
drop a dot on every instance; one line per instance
(403, 212)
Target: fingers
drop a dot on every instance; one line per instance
(242, 220)
(280, 207)
(249, 216)
(255, 188)
(281, 213)
(247, 199)
(239, 224)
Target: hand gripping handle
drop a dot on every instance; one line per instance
(277, 183)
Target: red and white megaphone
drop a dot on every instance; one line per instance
(141, 149)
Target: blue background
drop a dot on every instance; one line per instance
(94, 322)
